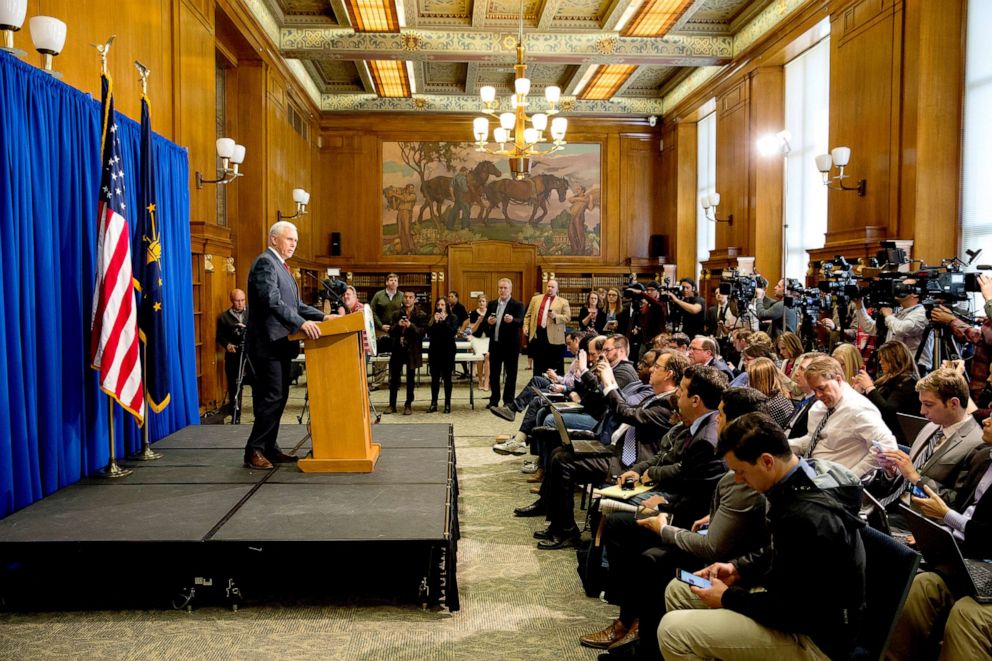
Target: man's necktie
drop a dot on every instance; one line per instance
(815, 438)
(932, 443)
(541, 319)
(628, 455)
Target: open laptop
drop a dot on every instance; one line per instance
(560, 406)
(940, 550)
(578, 446)
(911, 426)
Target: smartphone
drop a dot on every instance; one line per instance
(645, 513)
(692, 579)
(919, 493)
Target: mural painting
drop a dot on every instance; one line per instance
(438, 193)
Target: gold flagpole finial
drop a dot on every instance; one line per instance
(103, 50)
(143, 73)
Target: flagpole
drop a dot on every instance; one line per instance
(146, 453)
(112, 470)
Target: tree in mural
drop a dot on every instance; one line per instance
(418, 156)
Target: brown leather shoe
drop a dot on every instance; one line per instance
(280, 457)
(258, 460)
(407, 410)
(538, 476)
(602, 639)
(629, 638)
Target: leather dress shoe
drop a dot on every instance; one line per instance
(491, 405)
(632, 636)
(432, 408)
(604, 638)
(257, 460)
(537, 477)
(447, 408)
(560, 540)
(536, 508)
(389, 409)
(407, 410)
(546, 533)
(279, 457)
(504, 412)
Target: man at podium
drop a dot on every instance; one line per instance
(276, 312)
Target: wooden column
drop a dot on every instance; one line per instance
(767, 173)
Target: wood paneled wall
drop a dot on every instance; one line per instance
(896, 72)
(181, 42)
(349, 171)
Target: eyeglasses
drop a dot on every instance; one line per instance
(696, 349)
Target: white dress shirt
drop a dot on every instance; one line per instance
(847, 436)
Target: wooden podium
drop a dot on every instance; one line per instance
(340, 423)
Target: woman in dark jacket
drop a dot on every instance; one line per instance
(591, 317)
(441, 355)
(895, 390)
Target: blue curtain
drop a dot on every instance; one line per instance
(53, 417)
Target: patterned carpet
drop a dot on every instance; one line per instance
(517, 602)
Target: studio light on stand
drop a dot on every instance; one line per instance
(709, 204)
(231, 154)
(48, 35)
(11, 20)
(302, 199)
(839, 156)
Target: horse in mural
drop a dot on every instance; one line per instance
(534, 191)
(438, 189)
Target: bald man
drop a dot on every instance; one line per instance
(231, 326)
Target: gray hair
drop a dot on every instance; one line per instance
(278, 228)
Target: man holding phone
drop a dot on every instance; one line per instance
(504, 317)
(814, 524)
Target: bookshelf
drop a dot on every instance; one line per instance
(575, 283)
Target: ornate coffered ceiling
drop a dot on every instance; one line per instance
(453, 47)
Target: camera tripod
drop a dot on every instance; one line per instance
(244, 363)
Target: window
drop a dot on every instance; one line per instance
(976, 172)
(705, 185)
(807, 104)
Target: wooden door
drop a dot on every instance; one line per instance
(478, 266)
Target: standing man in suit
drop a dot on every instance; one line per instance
(937, 457)
(276, 313)
(504, 317)
(231, 327)
(544, 326)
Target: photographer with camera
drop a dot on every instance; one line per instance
(906, 323)
(980, 337)
(691, 306)
(774, 309)
(231, 327)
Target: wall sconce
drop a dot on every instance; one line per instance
(839, 156)
(48, 35)
(710, 203)
(11, 19)
(230, 153)
(302, 199)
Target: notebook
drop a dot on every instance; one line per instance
(942, 554)
(578, 446)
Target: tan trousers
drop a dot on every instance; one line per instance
(931, 612)
(692, 630)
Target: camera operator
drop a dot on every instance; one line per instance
(907, 323)
(644, 317)
(980, 336)
(773, 309)
(231, 326)
(692, 307)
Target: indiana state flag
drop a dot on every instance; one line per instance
(148, 276)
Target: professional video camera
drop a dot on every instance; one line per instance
(948, 283)
(333, 291)
(737, 286)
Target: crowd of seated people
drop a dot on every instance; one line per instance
(756, 455)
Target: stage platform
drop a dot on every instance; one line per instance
(198, 510)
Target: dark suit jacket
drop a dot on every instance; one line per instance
(721, 365)
(276, 309)
(978, 531)
(509, 333)
(651, 420)
(227, 324)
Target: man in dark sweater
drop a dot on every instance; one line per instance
(813, 571)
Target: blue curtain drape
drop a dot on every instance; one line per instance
(53, 417)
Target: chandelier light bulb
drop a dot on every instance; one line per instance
(540, 121)
(552, 94)
(507, 120)
(522, 86)
(488, 94)
(558, 127)
(500, 135)
(530, 136)
(480, 127)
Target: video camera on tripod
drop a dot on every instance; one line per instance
(740, 287)
(333, 290)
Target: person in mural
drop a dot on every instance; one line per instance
(404, 200)
(461, 208)
(581, 201)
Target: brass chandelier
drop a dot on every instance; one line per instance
(518, 141)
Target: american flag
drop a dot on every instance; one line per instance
(114, 336)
